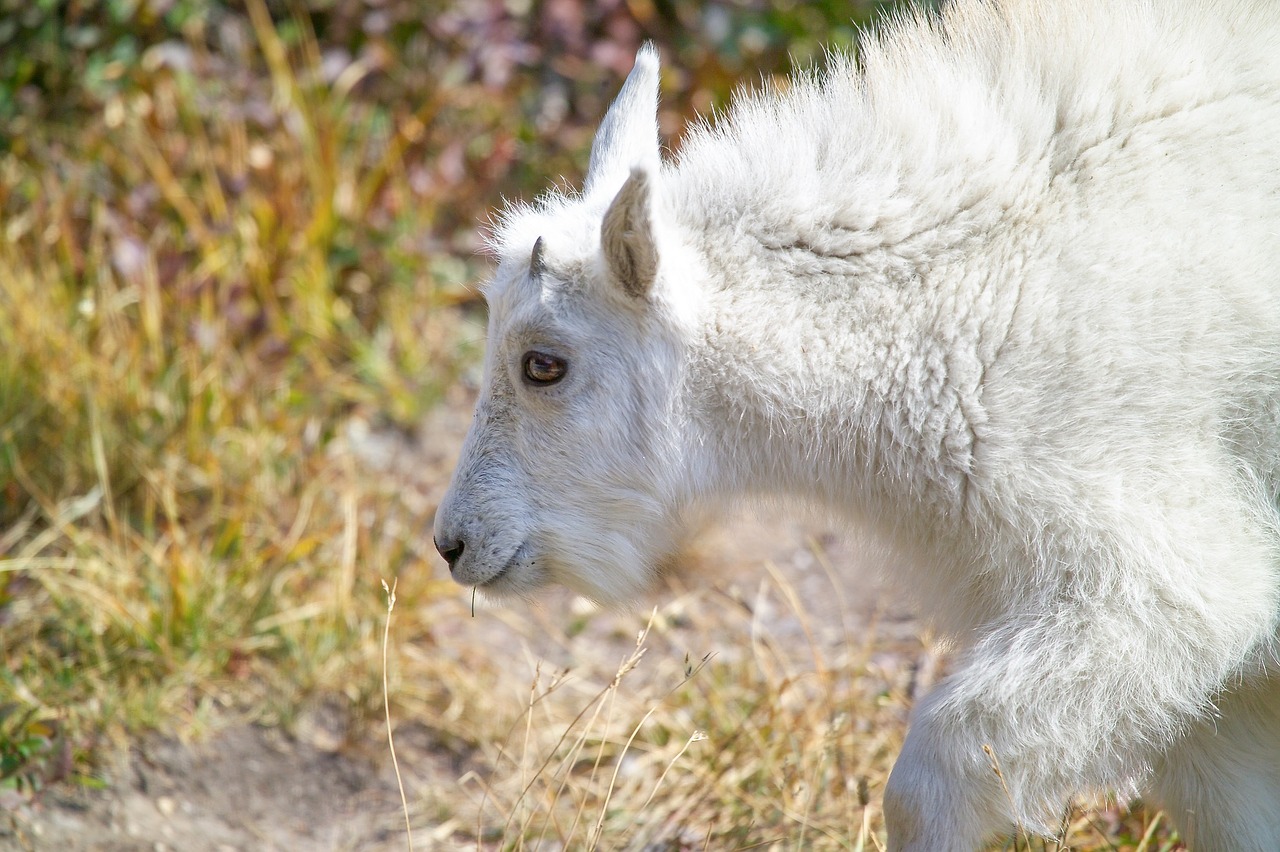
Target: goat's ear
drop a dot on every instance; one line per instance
(628, 136)
(627, 236)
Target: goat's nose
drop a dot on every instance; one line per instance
(449, 549)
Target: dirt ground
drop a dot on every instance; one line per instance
(257, 788)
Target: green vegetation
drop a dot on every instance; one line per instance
(232, 239)
(207, 272)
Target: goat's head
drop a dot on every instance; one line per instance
(570, 473)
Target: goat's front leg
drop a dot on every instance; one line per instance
(974, 768)
(1040, 713)
(1116, 643)
(942, 794)
(1220, 782)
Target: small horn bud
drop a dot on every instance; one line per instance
(536, 265)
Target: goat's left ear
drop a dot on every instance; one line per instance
(627, 236)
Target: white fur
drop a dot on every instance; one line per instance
(1005, 291)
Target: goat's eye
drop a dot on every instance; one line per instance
(543, 369)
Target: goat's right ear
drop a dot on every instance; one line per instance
(628, 136)
(627, 237)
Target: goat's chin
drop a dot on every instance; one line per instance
(606, 566)
(617, 584)
(613, 592)
(520, 581)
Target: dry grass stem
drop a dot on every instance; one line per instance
(386, 708)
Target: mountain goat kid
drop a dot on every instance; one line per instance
(1005, 290)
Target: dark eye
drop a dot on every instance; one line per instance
(543, 369)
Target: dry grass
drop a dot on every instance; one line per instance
(202, 308)
(712, 732)
(197, 308)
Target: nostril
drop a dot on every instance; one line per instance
(450, 550)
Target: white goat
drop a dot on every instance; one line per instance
(1006, 291)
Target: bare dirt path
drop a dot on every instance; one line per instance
(258, 788)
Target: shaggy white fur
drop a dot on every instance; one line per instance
(1005, 291)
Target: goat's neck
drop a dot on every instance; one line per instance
(836, 379)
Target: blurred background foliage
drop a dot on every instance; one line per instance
(230, 234)
(510, 89)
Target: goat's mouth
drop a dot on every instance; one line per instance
(503, 577)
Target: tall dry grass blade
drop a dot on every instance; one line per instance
(1004, 785)
(386, 708)
(788, 590)
(528, 711)
(695, 737)
(98, 446)
(347, 564)
(598, 832)
(1149, 835)
(569, 761)
(525, 781)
